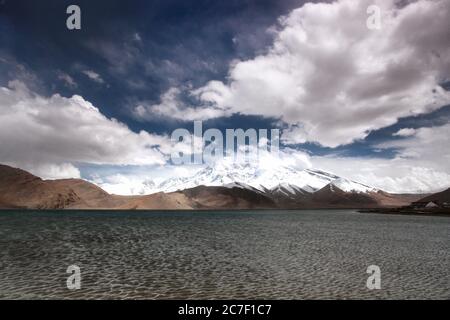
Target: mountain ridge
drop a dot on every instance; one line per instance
(283, 178)
(439, 197)
(20, 189)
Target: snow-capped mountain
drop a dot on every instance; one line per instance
(351, 186)
(20, 189)
(279, 180)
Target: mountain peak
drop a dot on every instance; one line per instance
(281, 179)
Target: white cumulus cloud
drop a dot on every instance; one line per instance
(171, 107)
(47, 135)
(422, 163)
(332, 79)
(405, 132)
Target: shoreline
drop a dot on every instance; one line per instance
(408, 212)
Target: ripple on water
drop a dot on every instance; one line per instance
(246, 255)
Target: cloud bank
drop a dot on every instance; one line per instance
(47, 135)
(50, 136)
(422, 163)
(331, 79)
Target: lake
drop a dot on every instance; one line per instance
(308, 254)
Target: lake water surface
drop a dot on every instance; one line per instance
(317, 254)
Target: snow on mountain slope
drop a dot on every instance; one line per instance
(282, 180)
(351, 186)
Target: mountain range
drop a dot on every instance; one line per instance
(227, 186)
(281, 179)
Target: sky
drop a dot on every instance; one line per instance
(100, 103)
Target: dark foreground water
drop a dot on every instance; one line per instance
(273, 255)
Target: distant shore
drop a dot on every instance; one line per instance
(443, 212)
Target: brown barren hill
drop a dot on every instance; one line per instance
(20, 189)
(440, 197)
(227, 198)
(333, 197)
